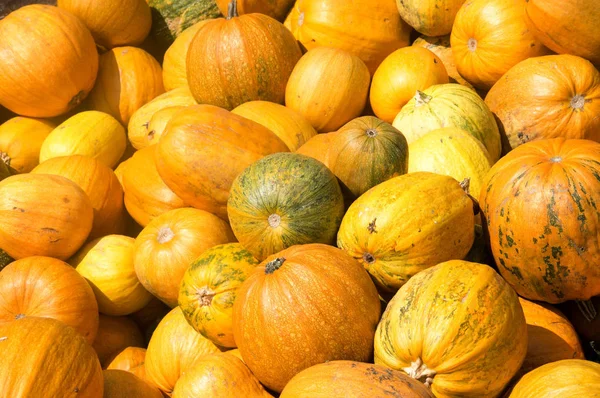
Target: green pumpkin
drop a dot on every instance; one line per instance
(5, 259)
(282, 200)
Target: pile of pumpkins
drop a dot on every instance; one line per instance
(310, 198)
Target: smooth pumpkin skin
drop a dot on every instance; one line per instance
(209, 288)
(74, 371)
(115, 333)
(489, 37)
(212, 134)
(565, 378)
(333, 23)
(407, 224)
(58, 44)
(431, 17)
(282, 200)
(128, 77)
(175, 61)
(43, 215)
(21, 140)
(279, 333)
(49, 288)
(547, 97)
(89, 133)
(318, 147)
(449, 105)
(107, 264)
(329, 87)
(367, 151)
(159, 121)
(353, 380)
(400, 75)
(169, 243)
(130, 359)
(460, 320)
(277, 9)
(122, 384)
(552, 184)
(440, 46)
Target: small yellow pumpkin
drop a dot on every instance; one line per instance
(21, 139)
(159, 121)
(174, 62)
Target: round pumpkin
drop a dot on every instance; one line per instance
(450, 105)
(430, 17)
(90, 133)
(440, 46)
(33, 71)
(318, 147)
(552, 186)
(49, 288)
(130, 359)
(282, 200)
(175, 60)
(279, 333)
(400, 75)
(43, 215)
(21, 140)
(547, 97)
(329, 87)
(169, 243)
(128, 77)
(159, 121)
(277, 9)
(122, 384)
(458, 327)
(70, 368)
(115, 333)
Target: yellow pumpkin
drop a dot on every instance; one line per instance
(122, 384)
(318, 147)
(174, 62)
(21, 139)
(159, 121)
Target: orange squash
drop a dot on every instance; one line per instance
(429, 17)
(440, 46)
(122, 384)
(115, 333)
(130, 359)
(21, 139)
(277, 9)
(318, 147)
(32, 71)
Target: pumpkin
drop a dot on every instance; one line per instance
(282, 200)
(5, 259)
(353, 380)
(367, 151)
(71, 368)
(440, 46)
(49, 288)
(265, 54)
(21, 139)
(431, 17)
(43, 215)
(406, 225)
(345, 25)
(329, 87)
(211, 375)
(32, 71)
(130, 359)
(277, 9)
(458, 327)
(107, 264)
(4, 170)
(400, 75)
(128, 77)
(169, 243)
(129, 26)
(90, 133)
(453, 152)
(449, 105)
(291, 127)
(119, 171)
(175, 60)
(235, 352)
(212, 134)
(137, 130)
(99, 183)
(159, 121)
(318, 147)
(115, 333)
(174, 348)
(122, 384)
(489, 37)
(566, 27)
(279, 333)
(209, 288)
(565, 105)
(552, 184)
(565, 378)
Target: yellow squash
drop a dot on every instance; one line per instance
(174, 62)
(21, 139)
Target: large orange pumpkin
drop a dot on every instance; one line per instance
(122, 384)
(115, 333)
(130, 359)
(440, 46)
(21, 140)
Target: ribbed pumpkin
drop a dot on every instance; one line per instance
(400, 75)
(21, 139)
(371, 35)
(47, 287)
(553, 185)
(169, 243)
(265, 54)
(128, 77)
(212, 134)
(318, 147)
(130, 359)
(458, 327)
(89, 133)
(43, 215)
(440, 46)
(282, 200)
(115, 333)
(449, 105)
(353, 380)
(277, 9)
(547, 97)
(429, 17)
(367, 151)
(175, 60)
(489, 37)
(74, 372)
(407, 224)
(32, 71)
(329, 87)
(279, 333)
(121, 384)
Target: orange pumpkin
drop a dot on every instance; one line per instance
(21, 140)
(318, 147)
(122, 384)
(115, 333)
(130, 359)
(440, 46)
(277, 9)
(175, 59)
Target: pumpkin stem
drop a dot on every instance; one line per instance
(587, 309)
(465, 185)
(419, 371)
(232, 9)
(274, 265)
(165, 234)
(421, 98)
(19, 316)
(5, 158)
(205, 296)
(577, 102)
